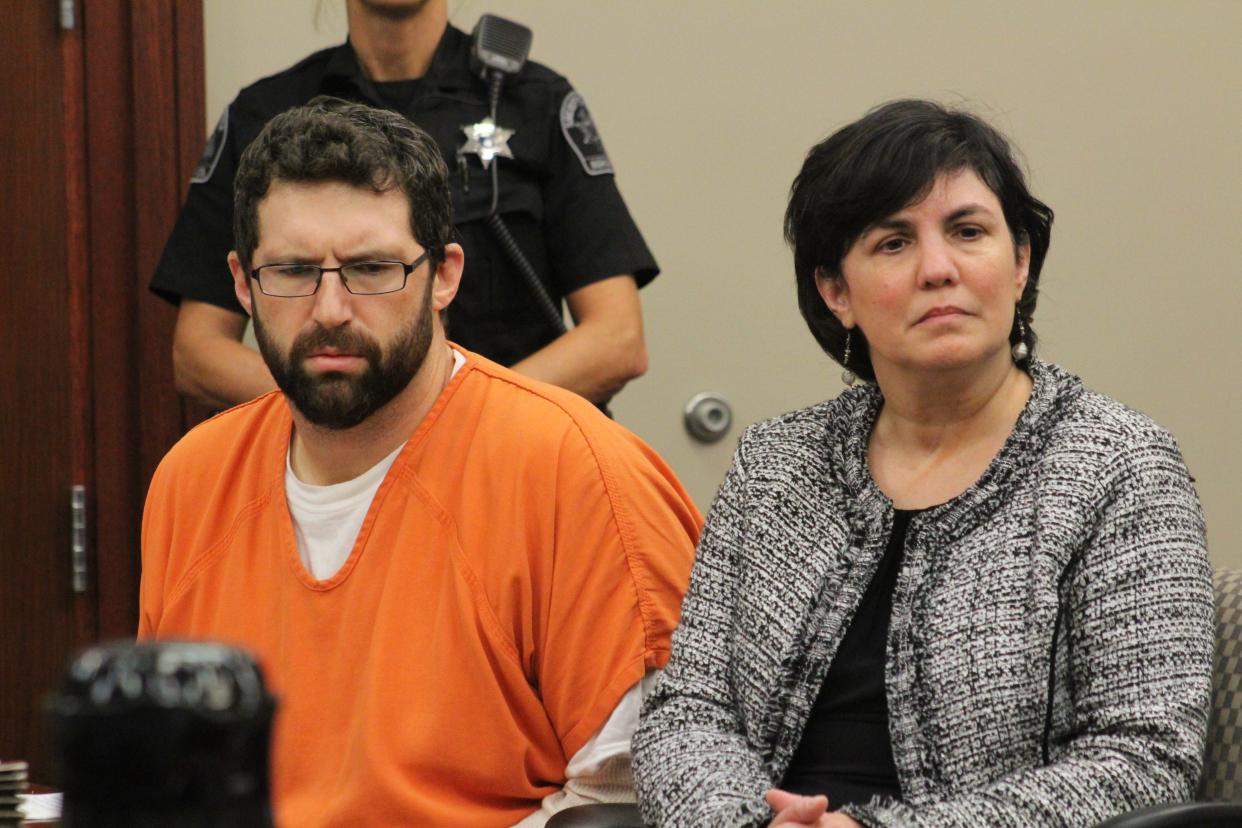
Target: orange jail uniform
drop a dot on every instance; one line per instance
(520, 568)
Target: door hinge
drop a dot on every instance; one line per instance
(67, 14)
(77, 525)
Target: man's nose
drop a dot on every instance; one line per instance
(333, 303)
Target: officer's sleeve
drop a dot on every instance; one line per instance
(194, 264)
(589, 231)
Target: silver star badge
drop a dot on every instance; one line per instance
(487, 141)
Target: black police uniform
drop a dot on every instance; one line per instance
(557, 193)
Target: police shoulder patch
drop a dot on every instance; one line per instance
(583, 137)
(213, 150)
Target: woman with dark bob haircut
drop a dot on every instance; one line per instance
(968, 591)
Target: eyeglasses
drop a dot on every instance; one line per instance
(359, 278)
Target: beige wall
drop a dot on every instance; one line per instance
(1128, 113)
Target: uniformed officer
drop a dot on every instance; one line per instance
(556, 195)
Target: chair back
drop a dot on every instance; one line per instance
(1222, 767)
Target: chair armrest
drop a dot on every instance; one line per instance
(1186, 815)
(597, 816)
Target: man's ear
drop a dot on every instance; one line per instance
(836, 295)
(241, 282)
(447, 276)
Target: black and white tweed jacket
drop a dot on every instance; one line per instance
(1050, 652)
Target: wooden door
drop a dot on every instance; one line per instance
(102, 113)
(43, 448)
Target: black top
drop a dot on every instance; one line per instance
(845, 750)
(557, 194)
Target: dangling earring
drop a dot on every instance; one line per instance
(1020, 351)
(847, 376)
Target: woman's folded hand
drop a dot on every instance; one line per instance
(797, 811)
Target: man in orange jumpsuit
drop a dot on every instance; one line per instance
(459, 580)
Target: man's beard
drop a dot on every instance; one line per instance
(337, 400)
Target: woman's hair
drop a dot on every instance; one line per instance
(883, 162)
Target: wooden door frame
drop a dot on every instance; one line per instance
(144, 94)
(110, 94)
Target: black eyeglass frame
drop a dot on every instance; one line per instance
(409, 268)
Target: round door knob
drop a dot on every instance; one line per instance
(708, 417)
